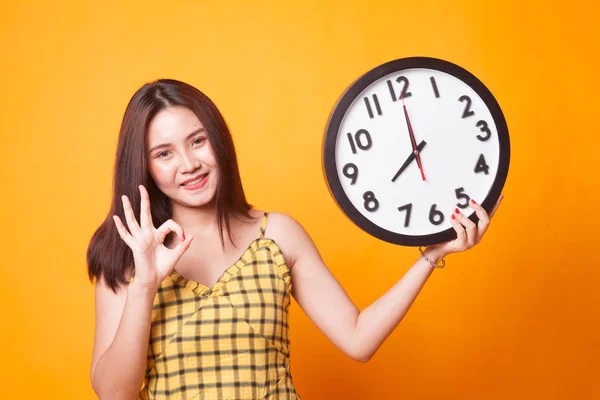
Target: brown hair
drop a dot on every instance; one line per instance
(108, 256)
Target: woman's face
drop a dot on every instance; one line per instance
(186, 155)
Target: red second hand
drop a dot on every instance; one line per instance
(412, 138)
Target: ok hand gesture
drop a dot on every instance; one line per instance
(153, 260)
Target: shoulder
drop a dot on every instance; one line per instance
(290, 236)
(281, 225)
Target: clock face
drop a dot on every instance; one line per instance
(436, 108)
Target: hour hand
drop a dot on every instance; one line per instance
(409, 160)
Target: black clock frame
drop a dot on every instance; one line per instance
(340, 109)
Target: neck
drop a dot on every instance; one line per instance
(200, 221)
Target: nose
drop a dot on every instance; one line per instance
(189, 163)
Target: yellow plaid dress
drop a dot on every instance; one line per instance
(225, 342)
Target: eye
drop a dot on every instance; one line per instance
(160, 155)
(199, 140)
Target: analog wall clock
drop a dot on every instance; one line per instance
(409, 141)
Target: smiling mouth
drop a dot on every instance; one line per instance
(195, 181)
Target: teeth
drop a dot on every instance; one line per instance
(194, 182)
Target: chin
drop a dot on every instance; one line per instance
(203, 198)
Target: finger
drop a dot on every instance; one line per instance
(167, 227)
(134, 228)
(127, 238)
(496, 206)
(461, 235)
(145, 214)
(470, 227)
(182, 247)
(484, 219)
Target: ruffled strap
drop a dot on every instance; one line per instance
(263, 225)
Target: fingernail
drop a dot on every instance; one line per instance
(453, 217)
(456, 210)
(183, 235)
(473, 201)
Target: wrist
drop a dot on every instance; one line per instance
(434, 254)
(137, 288)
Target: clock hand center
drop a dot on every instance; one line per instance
(410, 159)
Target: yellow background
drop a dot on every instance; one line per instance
(516, 317)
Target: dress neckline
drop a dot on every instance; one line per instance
(201, 288)
(227, 274)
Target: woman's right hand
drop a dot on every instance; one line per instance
(153, 260)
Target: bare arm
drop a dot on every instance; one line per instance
(319, 294)
(358, 334)
(323, 299)
(121, 341)
(376, 322)
(123, 320)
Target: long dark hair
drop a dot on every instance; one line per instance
(108, 256)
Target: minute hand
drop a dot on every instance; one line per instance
(410, 158)
(412, 139)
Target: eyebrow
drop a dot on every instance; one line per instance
(160, 146)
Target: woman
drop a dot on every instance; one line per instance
(197, 308)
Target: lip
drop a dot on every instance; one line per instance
(193, 179)
(197, 185)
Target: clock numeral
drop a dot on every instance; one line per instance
(369, 109)
(434, 85)
(482, 125)
(467, 112)
(371, 203)
(404, 93)
(351, 171)
(436, 217)
(408, 208)
(461, 195)
(482, 166)
(357, 140)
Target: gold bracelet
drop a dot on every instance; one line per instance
(431, 262)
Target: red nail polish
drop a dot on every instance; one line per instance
(456, 210)
(473, 201)
(453, 217)
(183, 235)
